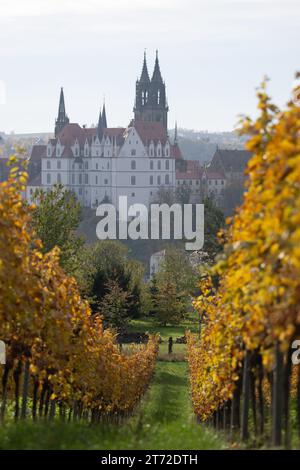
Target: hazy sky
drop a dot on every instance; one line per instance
(213, 53)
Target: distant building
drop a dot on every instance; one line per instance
(231, 163)
(213, 186)
(155, 262)
(102, 163)
(190, 175)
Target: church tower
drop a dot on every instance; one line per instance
(102, 122)
(150, 98)
(62, 118)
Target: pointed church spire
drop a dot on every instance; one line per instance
(61, 107)
(104, 120)
(62, 118)
(156, 72)
(175, 134)
(145, 75)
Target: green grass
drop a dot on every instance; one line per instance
(163, 420)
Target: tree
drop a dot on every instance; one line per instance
(110, 264)
(172, 287)
(55, 220)
(170, 304)
(214, 221)
(114, 305)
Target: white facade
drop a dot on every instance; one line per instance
(132, 162)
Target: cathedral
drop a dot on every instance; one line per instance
(103, 163)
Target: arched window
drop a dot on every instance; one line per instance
(158, 180)
(133, 164)
(151, 164)
(132, 179)
(167, 164)
(48, 165)
(159, 165)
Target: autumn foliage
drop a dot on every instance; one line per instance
(250, 302)
(57, 352)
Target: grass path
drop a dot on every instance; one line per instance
(163, 421)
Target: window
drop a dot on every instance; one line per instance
(86, 179)
(48, 165)
(167, 164)
(151, 179)
(222, 181)
(151, 164)
(216, 182)
(191, 182)
(197, 181)
(80, 179)
(167, 151)
(133, 152)
(167, 179)
(96, 166)
(133, 164)
(159, 165)
(49, 151)
(73, 178)
(58, 165)
(58, 178)
(158, 180)
(132, 180)
(96, 179)
(86, 165)
(158, 151)
(80, 191)
(132, 194)
(106, 181)
(48, 178)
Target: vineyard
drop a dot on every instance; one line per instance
(242, 376)
(59, 359)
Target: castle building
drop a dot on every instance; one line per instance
(103, 163)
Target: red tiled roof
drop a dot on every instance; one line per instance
(213, 175)
(115, 132)
(193, 171)
(176, 152)
(148, 131)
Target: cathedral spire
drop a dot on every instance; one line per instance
(62, 118)
(156, 72)
(104, 120)
(175, 134)
(145, 75)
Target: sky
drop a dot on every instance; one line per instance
(213, 54)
